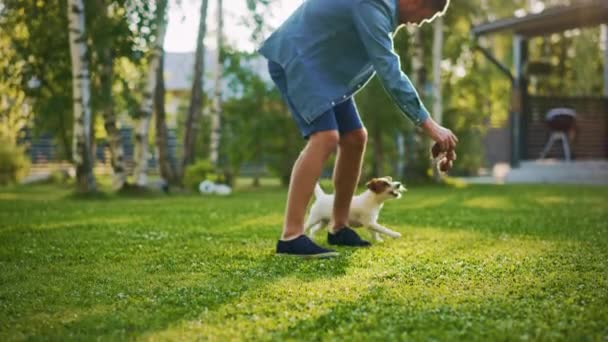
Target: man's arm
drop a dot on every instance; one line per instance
(373, 23)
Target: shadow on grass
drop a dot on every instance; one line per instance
(128, 191)
(137, 312)
(518, 306)
(487, 291)
(130, 308)
(493, 318)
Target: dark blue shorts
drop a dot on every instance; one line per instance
(343, 118)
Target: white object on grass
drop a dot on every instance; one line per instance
(207, 187)
(222, 189)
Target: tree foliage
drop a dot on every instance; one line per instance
(257, 125)
(36, 85)
(39, 53)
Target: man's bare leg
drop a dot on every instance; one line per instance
(306, 172)
(346, 173)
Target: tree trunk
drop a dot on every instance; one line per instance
(162, 142)
(564, 44)
(604, 37)
(256, 174)
(143, 123)
(288, 162)
(437, 57)
(378, 159)
(417, 59)
(216, 123)
(416, 144)
(65, 139)
(114, 139)
(83, 159)
(256, 180)
(400, 166)
(119, 177)
(437, 98)
(196, 97)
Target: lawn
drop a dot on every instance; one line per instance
(474, 263)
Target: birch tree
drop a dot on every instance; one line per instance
(142, 126)
(165, 166)
(82, 156)
(216, 118)
(119, 174)
(437, 57)
(417, 57)
(196, 98)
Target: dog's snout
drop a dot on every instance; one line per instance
(400, 187)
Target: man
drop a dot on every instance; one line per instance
(319, 58)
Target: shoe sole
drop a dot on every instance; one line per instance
(311, 256)
(356, 246)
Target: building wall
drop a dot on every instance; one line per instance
(497, 146)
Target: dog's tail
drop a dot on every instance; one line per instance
(318, 191)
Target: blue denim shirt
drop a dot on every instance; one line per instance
(329, 49)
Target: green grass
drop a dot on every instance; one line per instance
(475, 263)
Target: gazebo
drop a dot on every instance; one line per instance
(528, 132)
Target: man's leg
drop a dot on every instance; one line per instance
(323, 139)
(306, 172)
(346, 173)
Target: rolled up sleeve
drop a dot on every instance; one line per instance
(373, 22)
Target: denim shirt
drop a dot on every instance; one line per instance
(329, 49)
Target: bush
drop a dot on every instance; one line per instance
(14, 164)
(59, 177)
(198, 172)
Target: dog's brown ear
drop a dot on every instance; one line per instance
(377, 185)
(369, 184)
(389, 178)
(372, 185)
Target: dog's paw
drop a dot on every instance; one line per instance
(396, 235)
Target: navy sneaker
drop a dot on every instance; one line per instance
(346, 237)
(304, 247)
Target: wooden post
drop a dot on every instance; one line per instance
(518, 99)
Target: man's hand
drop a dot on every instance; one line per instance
(441, 135)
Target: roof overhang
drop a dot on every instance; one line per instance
(583, 13)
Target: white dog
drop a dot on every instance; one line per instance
(364, 208)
